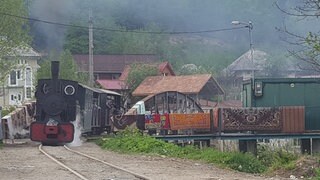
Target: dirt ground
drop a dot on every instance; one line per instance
(24, 161)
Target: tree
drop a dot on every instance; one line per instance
(189, 69)
(308, 46)
(138, 72)
(77, 41)
(138, 42)
(13, 33)
(68, 68)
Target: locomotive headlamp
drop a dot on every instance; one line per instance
(69, 90)
(52, 122)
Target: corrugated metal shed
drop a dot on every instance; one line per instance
(288, 92)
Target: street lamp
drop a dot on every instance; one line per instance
(250, 27)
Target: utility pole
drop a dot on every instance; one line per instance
(91, 78)
(249, 25)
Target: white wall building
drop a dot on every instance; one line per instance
(19, 85)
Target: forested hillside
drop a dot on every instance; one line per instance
(180, 31)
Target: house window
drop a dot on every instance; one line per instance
(28, 92)
(18, 74)
(28, 77)
(13, 77)
(22, 61)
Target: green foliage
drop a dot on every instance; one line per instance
(317, 173)
(13, 33)
(134, 141)
(276, 159)
(137, 42)
(6, 111)
(77, 41)
(246, 163)
(138, 72)
(313, 40)
(189, 69)
(68, 68)
(208, 58)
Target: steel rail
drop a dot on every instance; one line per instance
(106, 163)
(61, 164)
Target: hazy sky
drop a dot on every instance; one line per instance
(173, 15)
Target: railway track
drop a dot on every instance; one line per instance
(87, 167)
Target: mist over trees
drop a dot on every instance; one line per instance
(306, 46)
(115, 20)
(68, 68)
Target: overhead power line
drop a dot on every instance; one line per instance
(119, 30)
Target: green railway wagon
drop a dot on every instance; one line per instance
(275, 92)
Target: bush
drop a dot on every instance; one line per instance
(246, 163)
(276, 159)
(5, 112)
(134, 141)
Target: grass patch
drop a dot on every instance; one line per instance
(1, 144)
(267, 160)
(134, 142)
(276, 159)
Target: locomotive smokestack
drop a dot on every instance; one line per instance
(54, 69)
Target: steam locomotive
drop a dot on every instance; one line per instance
(59, 103)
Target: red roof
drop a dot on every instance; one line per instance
(161, 67)
(112, 63)
(112, 84)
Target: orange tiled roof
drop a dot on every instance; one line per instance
(189, 84)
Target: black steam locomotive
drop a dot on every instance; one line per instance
(59, 103)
